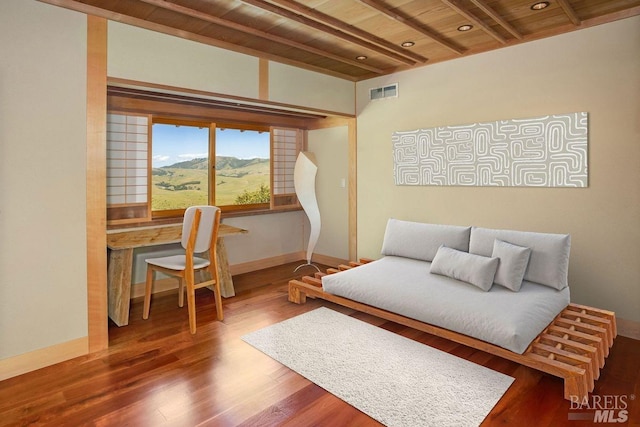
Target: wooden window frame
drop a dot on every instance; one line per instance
(284, 200)
(255, 128)
(159, 119)
(172, 213)
(128, 212)
(230, 210)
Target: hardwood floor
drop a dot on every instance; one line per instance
(156, 373)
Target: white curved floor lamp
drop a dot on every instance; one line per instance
(304, 182)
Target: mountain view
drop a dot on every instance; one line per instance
(238, 181)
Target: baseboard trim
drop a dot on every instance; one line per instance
(628, 328)
(159, 286)
(169, 284)
(27, 362)
(259, 264)
(328, 260)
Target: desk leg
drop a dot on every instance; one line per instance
(226, 282)
(119, 285)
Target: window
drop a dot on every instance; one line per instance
(182, 174)
(180, 165)
(243, 167)
(159, 166)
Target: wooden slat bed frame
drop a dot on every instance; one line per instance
(573, 347)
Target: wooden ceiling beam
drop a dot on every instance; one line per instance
(328, 36)
(116, 82)
(173, 7)
(325, 19)
(172, 31)
(376, 5)
(461, 10)
(496, 17)
(334, 27)
(568, 10)
(206, 102)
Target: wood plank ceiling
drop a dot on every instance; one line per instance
(359, 39)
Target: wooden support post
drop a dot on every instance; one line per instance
(119, 272)
(224, 275)
(295, 295)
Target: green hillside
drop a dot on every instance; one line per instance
(186, 183)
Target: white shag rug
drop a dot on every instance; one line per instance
(395, 380)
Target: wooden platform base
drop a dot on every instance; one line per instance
(573, 347)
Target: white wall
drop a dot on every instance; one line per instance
(285, 233)
(296, 86)
(147, 56)
(151, 57)
(331, 148)
(143, 55)
(43, 289)
(595, 70)
(269, 236)
(43, 257)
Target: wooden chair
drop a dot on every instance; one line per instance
(199, 234)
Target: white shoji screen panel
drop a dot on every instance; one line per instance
(285, 146)
(127, 159)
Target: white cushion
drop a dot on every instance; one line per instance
(404, 286)
(421, 241)
(513, 263)
(205, 228)
(475, 269)
(177, 262)
(549, 260)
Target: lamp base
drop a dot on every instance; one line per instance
(304, 265)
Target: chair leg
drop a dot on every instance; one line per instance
(180, 292)
(213, 271)
(191, 305)
(147, 292)
(218, 298)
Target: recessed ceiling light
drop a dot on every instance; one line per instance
(466, 27)
(361, 57)
(407, 44)
(540, 5)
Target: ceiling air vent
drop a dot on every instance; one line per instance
(390, 91)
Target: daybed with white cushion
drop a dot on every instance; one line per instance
(502, 291)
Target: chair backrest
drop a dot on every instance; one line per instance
(207, 230)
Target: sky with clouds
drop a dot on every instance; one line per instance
(173, 144)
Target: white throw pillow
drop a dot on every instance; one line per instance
(475, 269)
(513, 264)
(421, 241)
(549, 260)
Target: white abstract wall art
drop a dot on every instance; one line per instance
(547, 151)
(304, 180)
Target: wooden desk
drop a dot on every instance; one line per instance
(122, 242)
